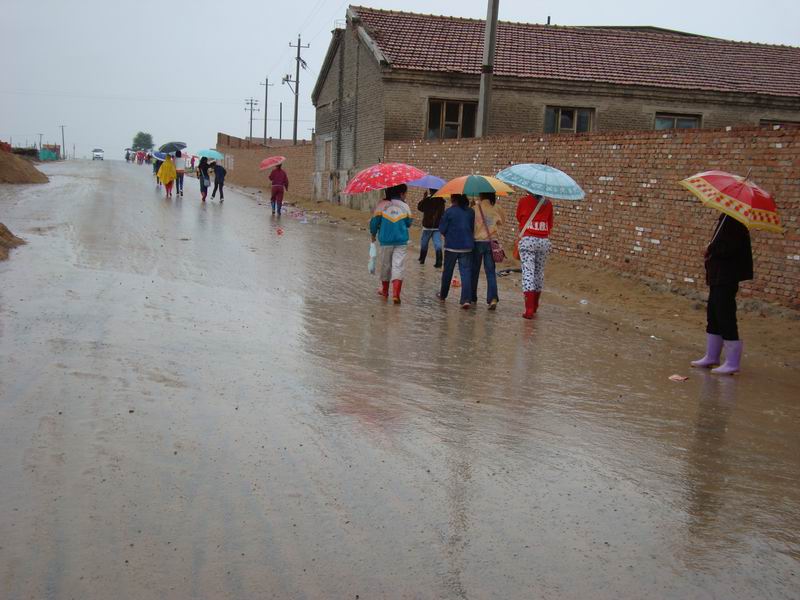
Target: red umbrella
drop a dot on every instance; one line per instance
(382, 176)
(737, 197)
(271, 161)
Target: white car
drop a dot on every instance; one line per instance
(97, 154)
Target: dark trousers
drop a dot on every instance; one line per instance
(482, 254)
(464, 260)
(721, 311)
(218, 186)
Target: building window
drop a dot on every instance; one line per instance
(779, 123)
(451, 119)
(561, 119)
(670, 121)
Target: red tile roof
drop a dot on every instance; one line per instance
(626, 56)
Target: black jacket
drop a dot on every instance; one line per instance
(432, 210)
(729, 258)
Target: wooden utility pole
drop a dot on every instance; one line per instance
(63, 146)
(266, 85)
(296, 81)
(487, 68)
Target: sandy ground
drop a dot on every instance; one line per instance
(8, 241)
(201, 401)
(14, 169)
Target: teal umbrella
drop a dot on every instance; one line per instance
(542, 180)
(213, 154)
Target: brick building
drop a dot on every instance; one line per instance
(391, 76)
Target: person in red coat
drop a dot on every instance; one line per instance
(534, 246)
(280, 184)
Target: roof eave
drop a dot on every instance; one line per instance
(326, 64)
(355, 20)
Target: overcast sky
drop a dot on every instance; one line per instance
(181, 70)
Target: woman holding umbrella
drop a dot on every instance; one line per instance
(729, 257)
(535, 219)
(202, 175)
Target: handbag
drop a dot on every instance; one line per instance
(527, 224)
(498, 254)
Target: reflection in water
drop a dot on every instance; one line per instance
(707, 462)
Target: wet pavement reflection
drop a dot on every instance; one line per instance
(196, 404)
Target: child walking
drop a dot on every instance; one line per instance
(389, 225)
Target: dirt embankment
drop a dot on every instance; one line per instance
(7, 241)
(14, 169)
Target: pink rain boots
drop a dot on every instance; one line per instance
(713, 351)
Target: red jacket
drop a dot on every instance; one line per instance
(542, 223)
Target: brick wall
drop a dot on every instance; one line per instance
(635, 218)
(242, 160)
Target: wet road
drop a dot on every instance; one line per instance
(193, 405)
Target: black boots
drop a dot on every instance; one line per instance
(438, 264)
(423, 252)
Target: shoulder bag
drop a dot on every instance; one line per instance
(498, 254)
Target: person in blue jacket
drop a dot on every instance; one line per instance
(458, 227)
(389, 225)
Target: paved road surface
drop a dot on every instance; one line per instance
(194, 406)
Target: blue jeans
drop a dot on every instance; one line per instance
(482, 252)
(427, 234)
(464, 260)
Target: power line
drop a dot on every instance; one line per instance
(116, 98)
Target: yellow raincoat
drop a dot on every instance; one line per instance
(166, 172)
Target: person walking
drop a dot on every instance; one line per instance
(180, 171)
(280, 184)
(432, 209)
(166, 175)
(535, 219)
(458, 227)
(728, 261)
(219, 181)
(389, 226)
(202, 176)
(156, 167)
(488, 217)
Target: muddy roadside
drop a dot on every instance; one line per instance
(771, 333)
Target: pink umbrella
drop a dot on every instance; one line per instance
(271, 161)
(382, 176)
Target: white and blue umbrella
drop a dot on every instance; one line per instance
(212, 154)
(542, 180)
(430, 182)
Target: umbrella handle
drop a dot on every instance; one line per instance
(719, 228)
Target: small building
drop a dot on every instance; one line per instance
(391, 76)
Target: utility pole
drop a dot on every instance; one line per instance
(489, 43)
(250, 104)
(266, 85)
(40, 141)
(296, 81)
(280, 121)
(63, 146)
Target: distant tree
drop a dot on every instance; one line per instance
(142, 141)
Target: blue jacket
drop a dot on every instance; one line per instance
(390, 222)
(458, 227)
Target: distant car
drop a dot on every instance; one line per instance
(97, 154)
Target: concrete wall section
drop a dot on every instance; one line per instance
(636, 219)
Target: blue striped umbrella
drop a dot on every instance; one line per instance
(542, 180)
